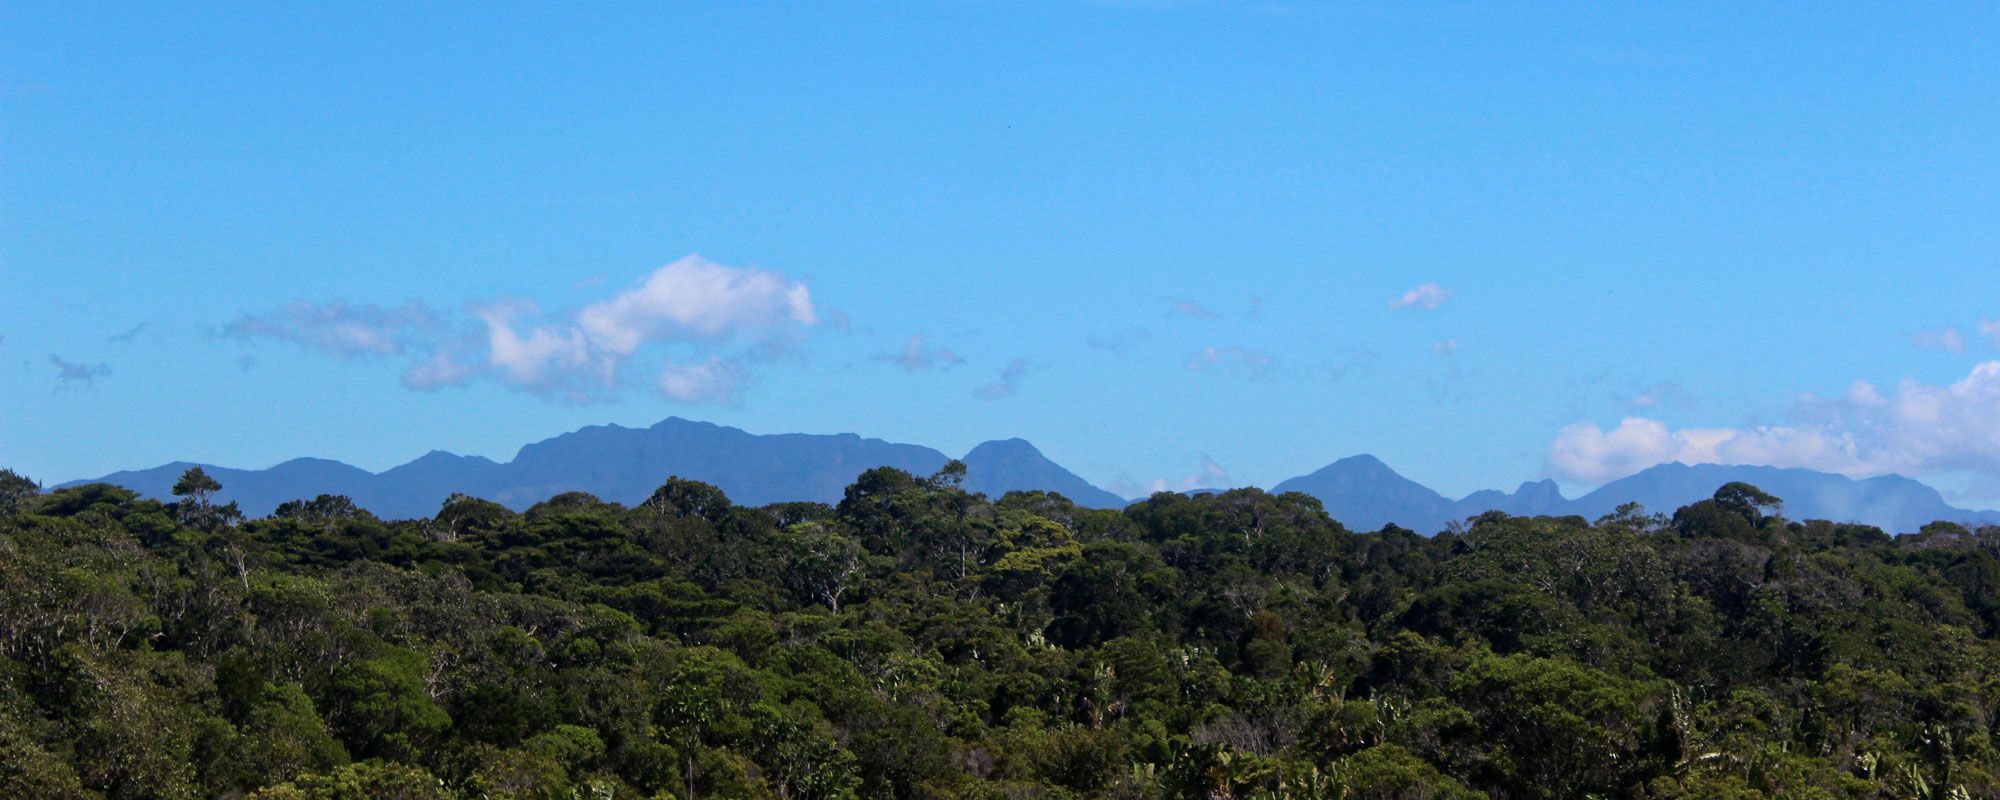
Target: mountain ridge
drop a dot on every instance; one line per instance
(625, 464)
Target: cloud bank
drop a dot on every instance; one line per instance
(1914, 429)
(711, 321)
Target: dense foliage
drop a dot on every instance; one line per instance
(917, 641)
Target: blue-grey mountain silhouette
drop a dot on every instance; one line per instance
(625, 465)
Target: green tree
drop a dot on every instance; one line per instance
(820, 562)
(370, 780)
(1751, 502)
(382, 709)
(679, 497)
(195, 487)
(15, 491)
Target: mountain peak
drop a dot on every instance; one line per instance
(996, 467)
(1544, 488)
(1014, 448)
(1363, 467)
(320, 466)
(1364, 493)
(682, 422)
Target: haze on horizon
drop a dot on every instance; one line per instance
(1174, 244)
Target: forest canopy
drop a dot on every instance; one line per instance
(919, 641)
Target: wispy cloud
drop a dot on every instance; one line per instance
(1946, 338)
(1248, 362)
(1189, 308)
(713, 380)
(1444, 347)
(77, 374)
(1347, 362)
(443, 368)
(914, 357)
(1669, 395)
(1426, 296)
(1119, 342)
(1915, 428)
(1989, 329)
(343, 329)
(129, 334)
(1008, 383)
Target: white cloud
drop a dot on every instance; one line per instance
(1947, 338)
(706, 317)
(698, 299)
(703, 321)
(1918, 428)
(916, 358)
(1990, 328)
(692, 302)
(342, 329)
(1010, 380)
(557, 360)
(714, 380)
(1428, 296)
(1444, 347)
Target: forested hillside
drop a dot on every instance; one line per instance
(918, 641)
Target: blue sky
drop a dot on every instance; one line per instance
(1170, 243)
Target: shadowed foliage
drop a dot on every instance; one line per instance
(920, 641)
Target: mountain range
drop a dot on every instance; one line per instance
(626, 464)
(1365, 494)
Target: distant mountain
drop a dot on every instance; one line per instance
(1531, 499)
(1890, 502)
(1364, 494)
(625, 465)
(256, 491)
(995, 468)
